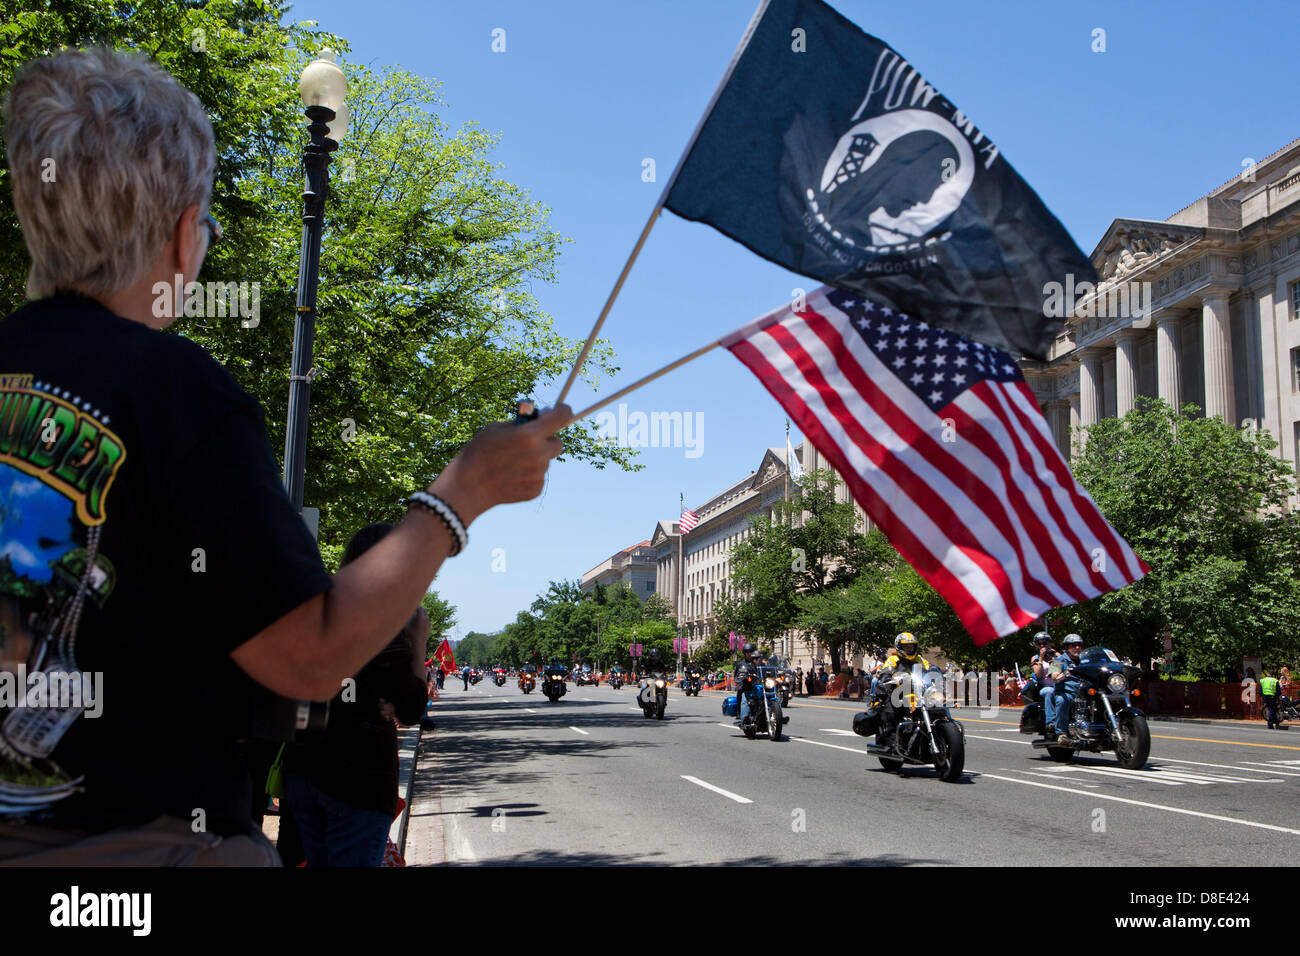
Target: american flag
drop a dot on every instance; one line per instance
(689, 520)
(943, 445)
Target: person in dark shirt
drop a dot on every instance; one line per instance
(342, 788)
(146, 540)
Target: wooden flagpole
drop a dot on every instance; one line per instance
(659, 205)
(644, 381)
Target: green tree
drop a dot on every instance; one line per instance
(1206, 506)
(442, 618)
(714, 652)
(426, 329)
(813, 545)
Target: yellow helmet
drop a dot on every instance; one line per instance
(906, 644)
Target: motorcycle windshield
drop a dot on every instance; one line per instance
(1098, 655)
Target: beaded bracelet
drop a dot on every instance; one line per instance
(447, 514)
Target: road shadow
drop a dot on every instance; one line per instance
(562, 857)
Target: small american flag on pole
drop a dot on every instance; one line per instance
(688, 521)
(943, 445)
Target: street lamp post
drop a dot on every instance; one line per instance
(323, 88)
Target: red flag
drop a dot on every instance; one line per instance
(444, 656)
(943, 445)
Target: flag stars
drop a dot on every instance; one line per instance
(917, 379)
(882, 345)
(885, 329)
(939, 359)
(959, 379)
(920, 343)
(900, 343)
(937, 377)
(864, 324)
(959, 361)
(962, 346)
(900, 362)
(919, 361)
(934, 398)
(904, 328)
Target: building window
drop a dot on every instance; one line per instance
(649, 587)
(1295, 370)
(1295, 300)
(1295, 435)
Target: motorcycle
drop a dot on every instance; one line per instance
(499, 678)
(583, 678)
(785, 687)
(652, 696)
(475, 676)
(553, 686)
(926, 733)
(1102, 713)
(1287, 709)
(765, 715)
(691, 684)
(527, 682)
(616, 680)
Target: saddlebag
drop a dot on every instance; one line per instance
(866, 723)
(730, 706)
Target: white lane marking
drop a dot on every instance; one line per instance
(1228, 766)
(529, 710)
(836, 731)
(1170, 778)
(1139, 803)
(708, 786)
(580, 730)
(592, 699)
(1001, 740)
(805, 740)
(1082, 783)
(1280, 773)
(729, 726)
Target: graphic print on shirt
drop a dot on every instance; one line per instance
(58, 461)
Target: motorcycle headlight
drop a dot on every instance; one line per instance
(1116, 684)
(934, 695)
(659, 683)
(769, 683)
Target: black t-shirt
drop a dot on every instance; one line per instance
(163, 462)
(355, 759)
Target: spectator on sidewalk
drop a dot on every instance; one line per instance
(342, 787)
(166, 471)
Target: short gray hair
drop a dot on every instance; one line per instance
(105, 150)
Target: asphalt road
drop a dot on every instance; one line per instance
(515, 779)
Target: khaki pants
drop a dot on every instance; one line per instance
(167, 841)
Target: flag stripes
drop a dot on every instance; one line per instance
(973, 493)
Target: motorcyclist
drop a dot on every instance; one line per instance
(746, 676)
(1039, 664)
(693, 672)
(654, 668)
(1066, 686)
(900, 662)
(464, 675)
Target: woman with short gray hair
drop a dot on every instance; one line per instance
(146, 542)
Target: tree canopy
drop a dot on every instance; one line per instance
(427, 324)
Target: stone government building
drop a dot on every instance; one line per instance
(1221, 331)
(1223, 276)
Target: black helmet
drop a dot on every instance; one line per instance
(1073, 639)
(1042, 637)
(748, 649)
(654, 653)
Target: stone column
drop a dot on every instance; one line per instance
(1169, 371)
(1125, 371)
(1216, 348)
(1089, 386)
(1074, 426)
(1058, 420)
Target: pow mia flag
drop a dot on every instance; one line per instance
(829, 154)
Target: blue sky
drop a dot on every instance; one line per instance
(585, 91)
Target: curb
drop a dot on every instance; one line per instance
(408, 742)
